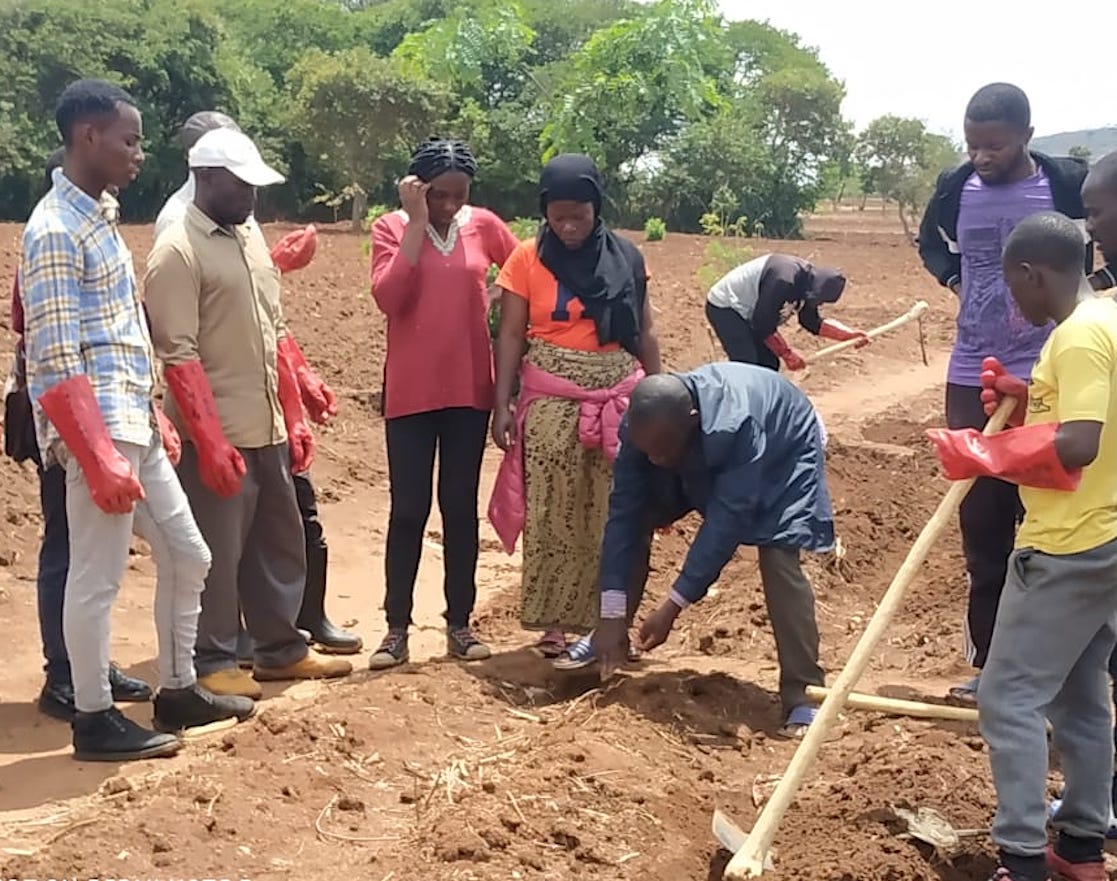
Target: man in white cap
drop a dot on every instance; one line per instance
(212, 293)
(192, 130)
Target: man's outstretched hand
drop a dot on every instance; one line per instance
(610, 645)
(657, 626)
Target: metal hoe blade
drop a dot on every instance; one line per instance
(731, 837)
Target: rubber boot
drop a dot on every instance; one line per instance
(328, 638)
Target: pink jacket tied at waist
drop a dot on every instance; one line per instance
(599, 424)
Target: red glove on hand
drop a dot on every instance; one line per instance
(220, 466)
(72, 408)
(299, 439)
(295, 250)
(780, 348)
(1025, 456)
(317, 397)
(998, 383)
(168, 434)
(835, 330)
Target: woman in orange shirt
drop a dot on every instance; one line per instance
(577, 296)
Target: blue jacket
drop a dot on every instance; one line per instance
(754, 470)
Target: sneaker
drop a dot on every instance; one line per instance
(110, 736)
(463, 645)
(127, 689)
(577, 655)
(966, 693)
(392, 652)
(311, 666)
(232, 681)
(1062, 870)
(179, 708)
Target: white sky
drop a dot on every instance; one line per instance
(926, 60)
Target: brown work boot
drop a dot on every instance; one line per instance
(232, 682)
(313, 666)
(1064, 870)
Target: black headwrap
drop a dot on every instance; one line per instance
(607, 272)
(824, 285)
(438, 156)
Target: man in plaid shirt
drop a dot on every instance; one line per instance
(90, 373)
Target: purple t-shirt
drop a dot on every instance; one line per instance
(989, 321)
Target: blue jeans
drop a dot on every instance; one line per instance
(54, 563)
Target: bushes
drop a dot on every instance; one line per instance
(655, 230)
(524, 228)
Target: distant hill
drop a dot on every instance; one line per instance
(1098, 141)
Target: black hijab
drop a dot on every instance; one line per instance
(607, 272)
(824, 285)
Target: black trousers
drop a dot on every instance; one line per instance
(988, 517)
(738, 338)
(458, 434)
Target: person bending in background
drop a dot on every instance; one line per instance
(744, 447)
(91, 373)
(749, 304)
(1057, 622)
(56, 699)
(293, 251)
(430, 260)
(577, 296)
(961, 238)
(213, 296)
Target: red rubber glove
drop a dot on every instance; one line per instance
(299, 439)
(780, 348)
(1025, 456)
(172, 443)
(220, 466)
(835, 330)
(295, 250)
(996, 384)
(317, 397)
(72, 408)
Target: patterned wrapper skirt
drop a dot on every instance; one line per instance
(567, 489)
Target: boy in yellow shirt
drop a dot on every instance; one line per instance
(1057, 621)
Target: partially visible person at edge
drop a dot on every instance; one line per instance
(1099, 196)
(293, 251)
(212, 292)
(577, 295)
(961, 238)
(745, 448)
(429, 265)
(1057, 622)
(748, 305)
(91, 374)
(56, 699)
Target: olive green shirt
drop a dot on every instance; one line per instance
(212, 294)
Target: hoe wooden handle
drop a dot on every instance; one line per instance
(748, 862)
(916, 311)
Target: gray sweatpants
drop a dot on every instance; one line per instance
(99, 544)
(1055, 630)
(256, 538)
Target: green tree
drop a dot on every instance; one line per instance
(354, 111)
(1080, 152)
(637, 82)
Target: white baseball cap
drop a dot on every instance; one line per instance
(235, 152)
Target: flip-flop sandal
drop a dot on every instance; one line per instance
(966, 693)
(577, 656)
(551, 646)
(798, 721)
(1056, 803)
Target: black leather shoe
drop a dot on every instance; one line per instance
(180, 708)
(57, 701)
(126, 689)
(110, 736)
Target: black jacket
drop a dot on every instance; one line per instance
(938, 233)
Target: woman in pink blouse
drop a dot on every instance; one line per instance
(429, 265)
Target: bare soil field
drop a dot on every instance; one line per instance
(506, 769)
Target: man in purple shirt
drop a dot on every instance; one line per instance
(974, 209)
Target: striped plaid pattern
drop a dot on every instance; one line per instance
(82, 314)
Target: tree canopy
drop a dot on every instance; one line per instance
(686, 113)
